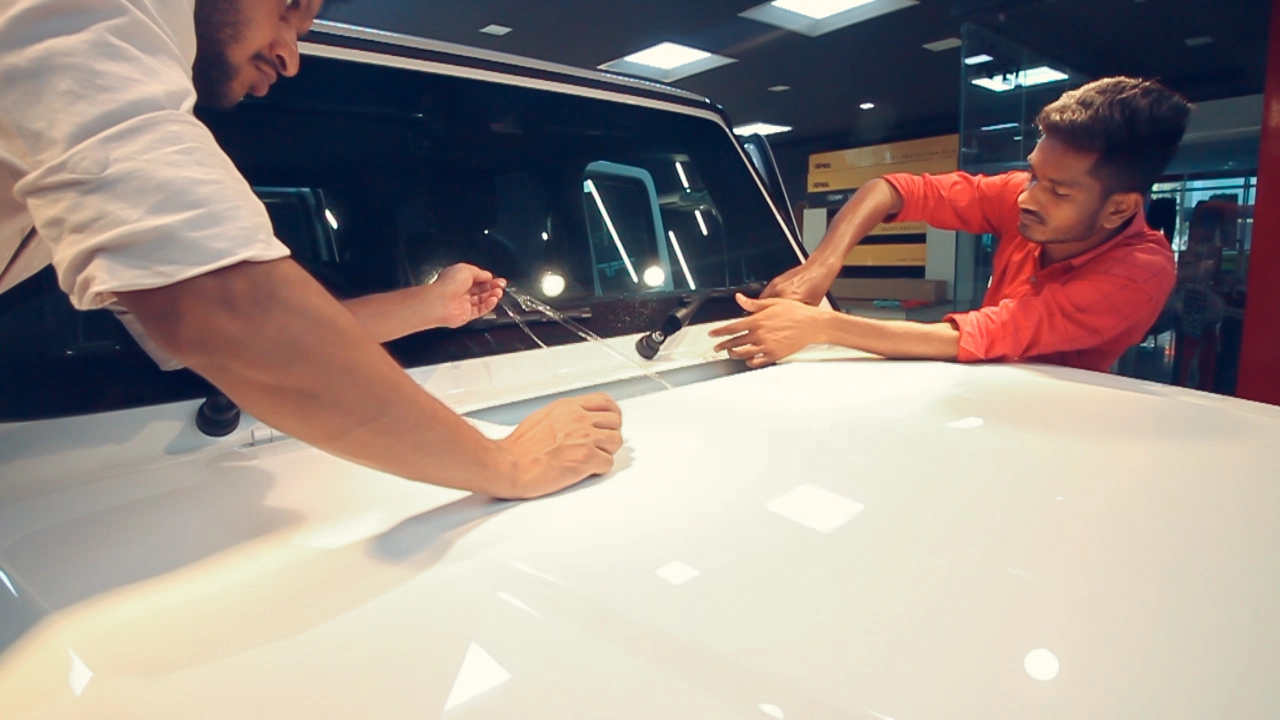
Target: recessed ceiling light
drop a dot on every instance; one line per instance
(1198, 41)
(668, 56)
(816, 17)
(819, 9)
(1001, 126)
(667, 62)
(1030, 77)
(867, 105)
(978, 59)
(1042, 76)
(939, 46)
(760, 128)
(497, 30)
(780, 88)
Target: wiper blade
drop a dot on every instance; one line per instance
(496, 320)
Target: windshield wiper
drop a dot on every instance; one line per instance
(496, 320)
(649, 345)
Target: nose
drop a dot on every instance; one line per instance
(1026, 202)
(285, 51)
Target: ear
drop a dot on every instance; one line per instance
(1120, 207)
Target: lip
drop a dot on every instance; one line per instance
(270, 75)
(1030, 219)
(267, 78)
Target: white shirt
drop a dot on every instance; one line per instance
(101, 155)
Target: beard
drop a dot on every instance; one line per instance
(1040, 233)
(218, 26)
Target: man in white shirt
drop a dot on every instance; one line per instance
(106, 174)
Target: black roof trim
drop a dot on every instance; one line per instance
(351, 37)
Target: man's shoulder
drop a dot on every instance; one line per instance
(1146, 258)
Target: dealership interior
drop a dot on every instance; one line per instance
(824, 78)
(690, 359)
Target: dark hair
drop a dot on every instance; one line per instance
(1134, 126)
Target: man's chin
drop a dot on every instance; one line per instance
(221, 99)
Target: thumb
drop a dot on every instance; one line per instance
(754, 306)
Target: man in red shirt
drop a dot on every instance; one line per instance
(1078, 275)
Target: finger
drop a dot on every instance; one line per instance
(735, 328)
(608, 441)
(746, 352)
(487, 306)
(478, 275)
(770, 291)
(606, 421)
(755, 306)
(500, 283)
(748, 338)
(760, 361)
(599, 402)
(601, 463)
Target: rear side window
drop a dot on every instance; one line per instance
(378, 178)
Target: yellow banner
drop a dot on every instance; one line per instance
(935, 148)
(906, 228)
(887, 255)
(857, 177)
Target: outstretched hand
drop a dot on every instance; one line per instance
(463, 293)
(807, 283)
(776, 329)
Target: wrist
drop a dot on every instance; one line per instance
(828, 257)
(508, 473)
(424, 305)
(827, 328)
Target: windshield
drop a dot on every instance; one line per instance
(377, 178)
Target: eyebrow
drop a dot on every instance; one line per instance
(1050, 180)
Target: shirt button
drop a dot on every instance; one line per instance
(1031, 279)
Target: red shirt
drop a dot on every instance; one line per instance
(1083, 312)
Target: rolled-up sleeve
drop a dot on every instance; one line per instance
(125, 186)
(1101, 305)
(959, 201)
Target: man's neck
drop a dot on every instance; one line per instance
(1059, 252)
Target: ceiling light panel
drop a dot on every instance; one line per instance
(668, 56)
(819, 9)
(948, 44)
(1030, 77)
(978, 59)
(496, 30)
(667, 62)
(818, 17)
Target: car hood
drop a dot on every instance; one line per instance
(856, 539)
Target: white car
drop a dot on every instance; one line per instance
(835, 537)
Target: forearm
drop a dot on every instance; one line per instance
(391, 315)
(892, 338)
(279, 346)
(868, 207)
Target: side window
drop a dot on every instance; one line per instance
(626, 237)
(694, 226)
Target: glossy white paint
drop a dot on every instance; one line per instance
(1125, 529)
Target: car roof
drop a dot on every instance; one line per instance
(352, 37)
